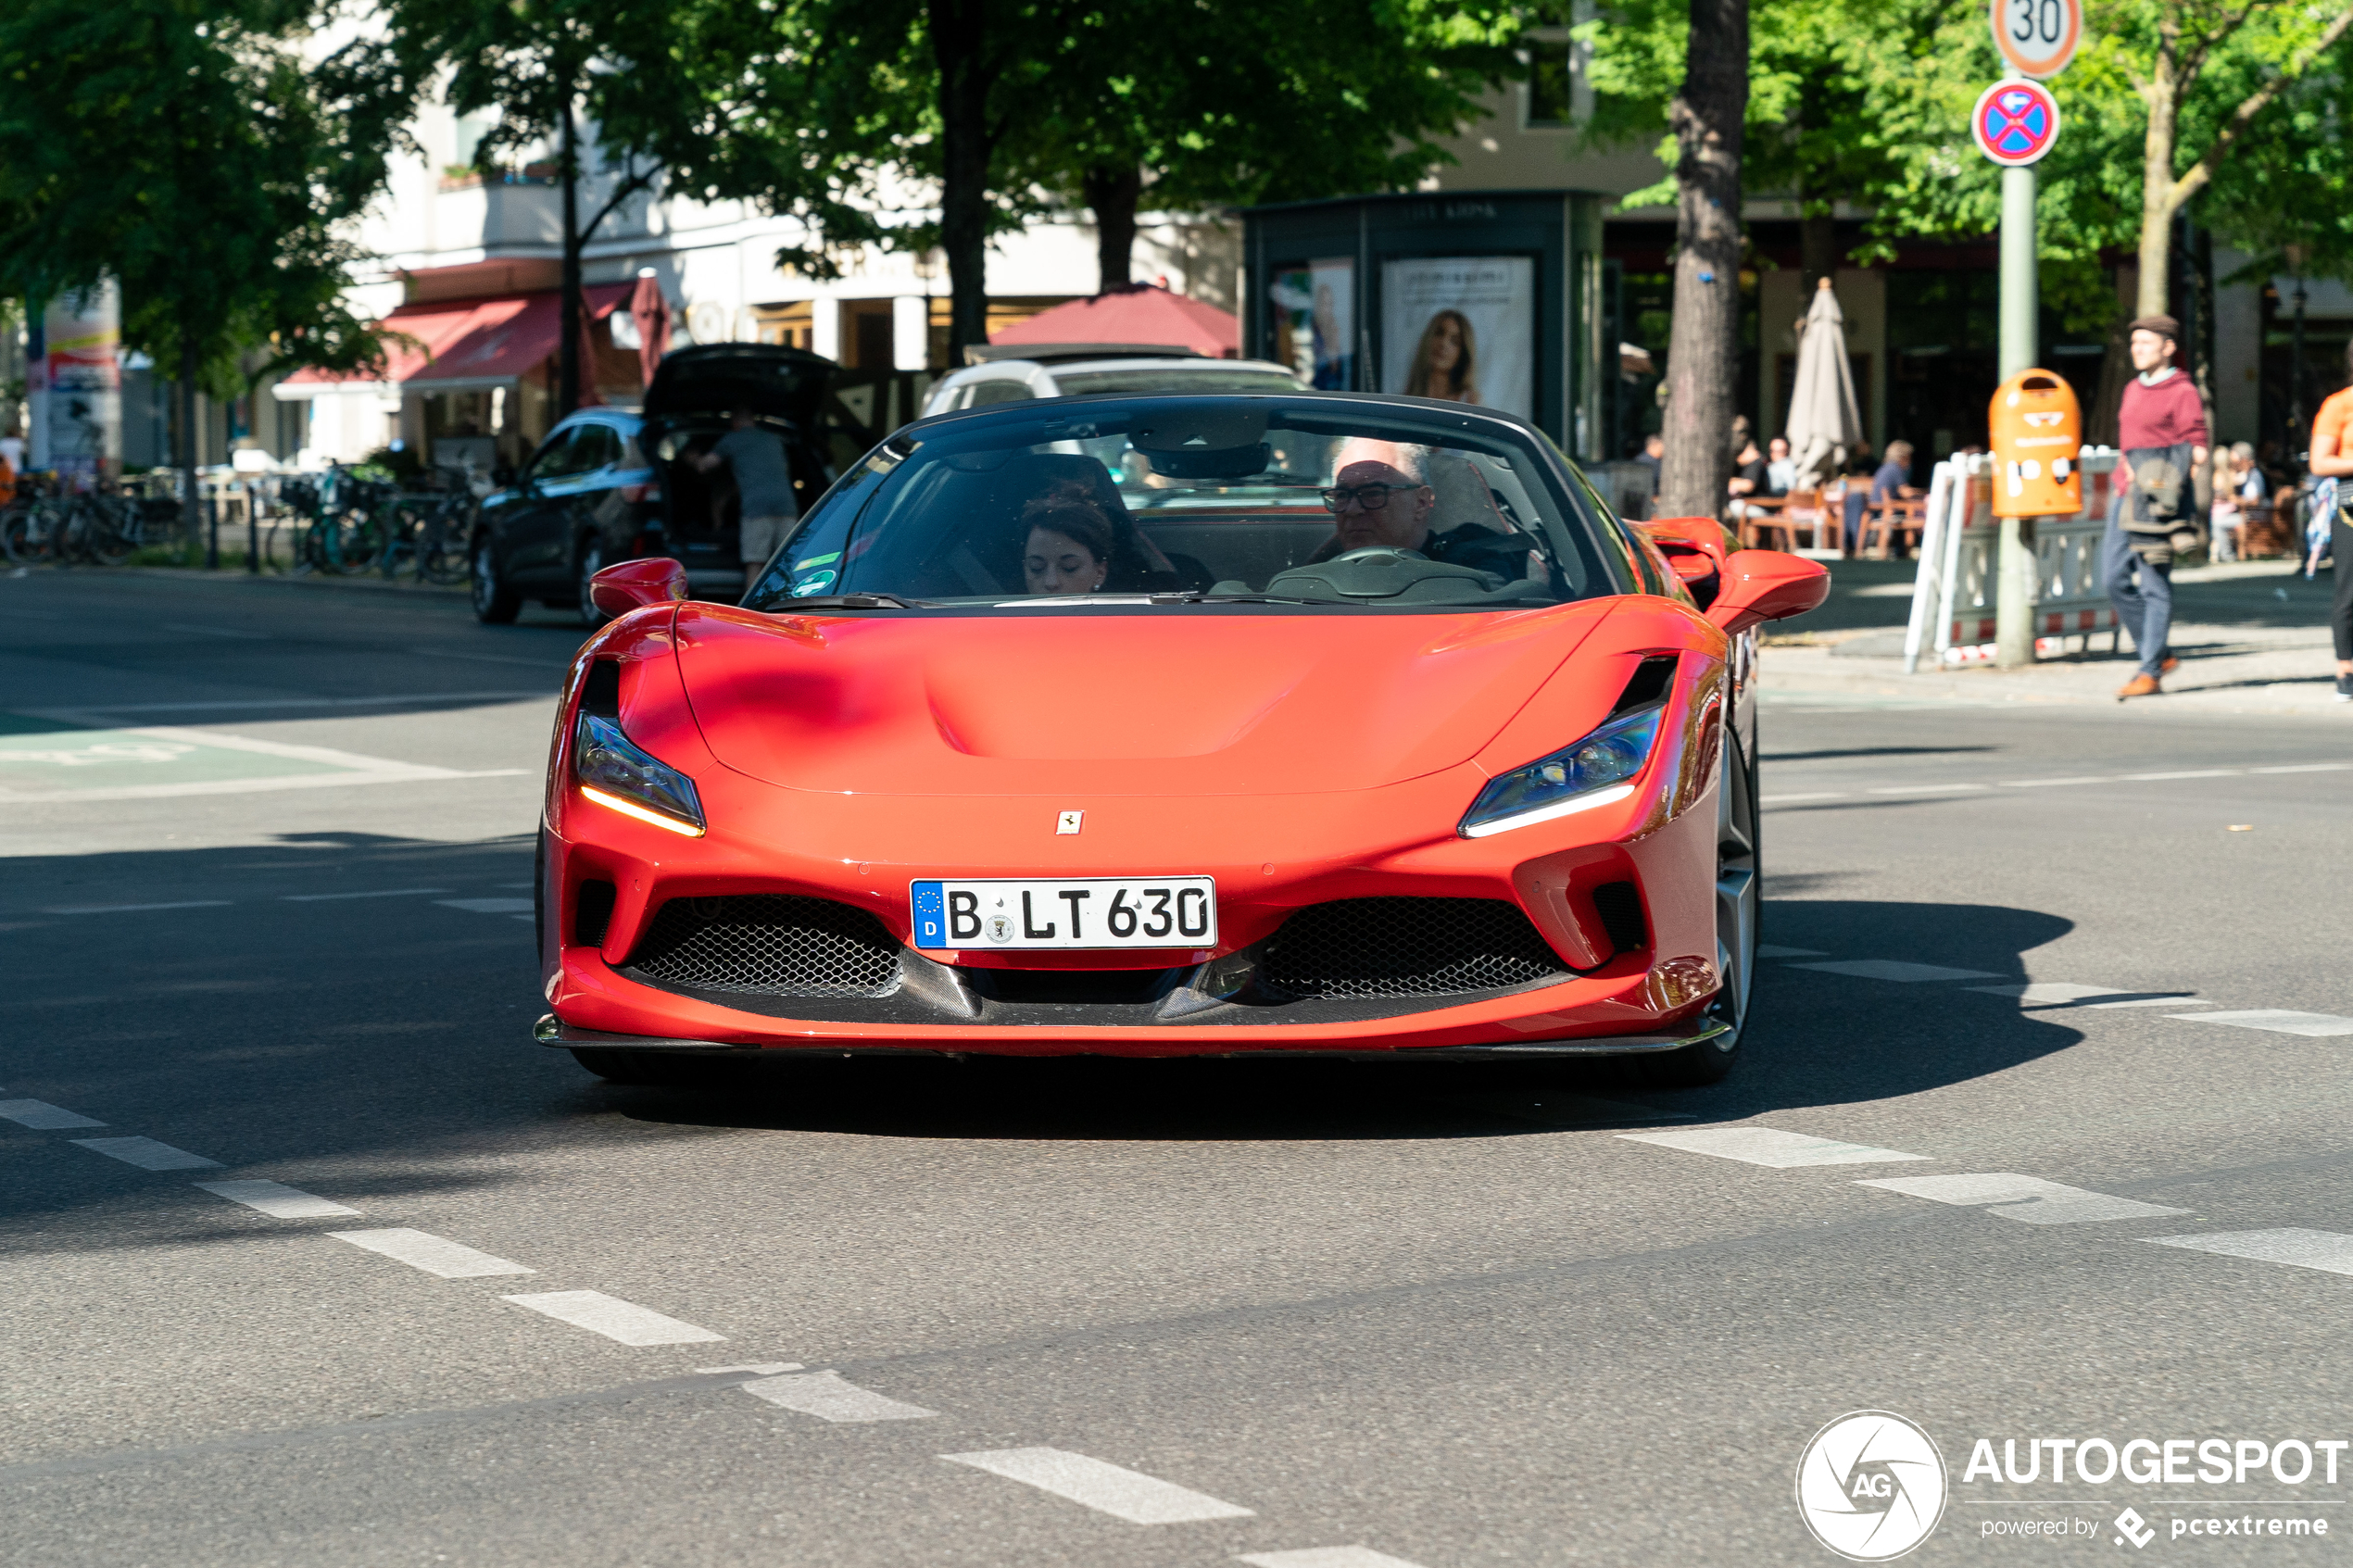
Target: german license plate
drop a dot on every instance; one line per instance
(1158, 911)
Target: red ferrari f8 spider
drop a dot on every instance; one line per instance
(1162, 726)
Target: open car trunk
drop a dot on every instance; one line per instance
(687, 408)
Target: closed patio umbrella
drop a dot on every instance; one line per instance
(1824, 424)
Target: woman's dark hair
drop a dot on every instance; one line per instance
(1069, 510)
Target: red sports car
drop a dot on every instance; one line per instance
(1164, 726)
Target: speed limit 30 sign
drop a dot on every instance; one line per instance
(2038, 37)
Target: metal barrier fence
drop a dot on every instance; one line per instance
(1953, 598)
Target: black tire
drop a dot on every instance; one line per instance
(592, 561)
(1739, 902)
(495, 603)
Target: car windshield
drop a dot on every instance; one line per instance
(1326, 504)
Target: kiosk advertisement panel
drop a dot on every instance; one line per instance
(1462, 328)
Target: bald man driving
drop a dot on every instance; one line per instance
(1374, 502)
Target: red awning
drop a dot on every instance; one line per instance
(1138, 313)
(469, 345)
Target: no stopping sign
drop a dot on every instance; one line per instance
(2015, 122)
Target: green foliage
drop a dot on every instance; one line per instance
(183, 148)
(828, 110)
(1867, 101)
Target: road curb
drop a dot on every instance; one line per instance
(228, 575)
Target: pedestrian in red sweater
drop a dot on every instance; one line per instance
(2161, 428)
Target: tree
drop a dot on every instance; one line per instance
(184, 148)
(545, 66)
(1209, 107)
(847, 116)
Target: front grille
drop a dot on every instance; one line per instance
(769, 943)
(1405, 947)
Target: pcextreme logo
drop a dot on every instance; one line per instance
(1870, 1485)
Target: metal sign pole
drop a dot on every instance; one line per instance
(2014, 601)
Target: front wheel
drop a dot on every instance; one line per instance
(592, 561)
(1739, 902)
(495, 603)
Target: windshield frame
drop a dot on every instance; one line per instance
(1600, 548)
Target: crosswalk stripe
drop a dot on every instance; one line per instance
(1107, 1489)
(2030, 1199)
(40, 1116)
(2277, 1020)
(827, 1397)
(1770, 1146)
(1890, 968)
(1325, 1557)
(613, 1318)
(2326, 1250)
(146, 1153)
(276, 1200)
(422, 1249)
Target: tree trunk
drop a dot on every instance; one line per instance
(1702, 356)
(1111, 194)
(2201, 345)
(567, 366)
(1817, 250)
(959, 30)
(2158, 200)
(191, 511)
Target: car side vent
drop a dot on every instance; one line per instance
(591, 913)
(1649, 686)
(600, 692)
(1620, 906)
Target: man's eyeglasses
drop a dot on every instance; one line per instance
(1370, 497)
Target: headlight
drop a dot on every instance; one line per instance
(1597, 771)
(621, 775)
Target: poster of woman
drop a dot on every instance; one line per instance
(1461, 329)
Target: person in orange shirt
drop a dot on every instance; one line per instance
(8, 481)
(2331, 461)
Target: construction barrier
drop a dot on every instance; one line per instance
(1953, 598)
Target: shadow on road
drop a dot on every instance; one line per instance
(316, 1005)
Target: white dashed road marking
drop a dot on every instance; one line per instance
(487, 906)
(824, 1395)
(765, 1368)
(372, 893)
(1889, 969)
(41, 1116)
(613, 1318)
(2278, 1021)
(1124, 1494)
(1767, 1146)
(2065, 993)
(419, 1249)
(1326, 1557)
(276, 1200)
(1765, 950)
(2325, 1250)
(147, 1154)
(2030, 1199)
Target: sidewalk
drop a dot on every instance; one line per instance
(234, 574)
(2252, 637)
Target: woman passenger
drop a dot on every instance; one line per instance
(1068, 546)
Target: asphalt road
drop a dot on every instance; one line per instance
(266, 907)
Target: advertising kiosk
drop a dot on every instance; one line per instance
(1492, 297)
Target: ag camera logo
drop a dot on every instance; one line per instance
(1870, 1485)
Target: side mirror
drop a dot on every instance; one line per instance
(1761, 585)
(1696, 548)
(633, 585)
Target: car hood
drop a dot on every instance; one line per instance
(1166, 702)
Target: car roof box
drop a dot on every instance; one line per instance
(708, 380)
(1062, 353)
